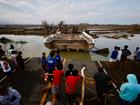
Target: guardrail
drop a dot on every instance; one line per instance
(14, 70)
(107, 73)
(83, 86)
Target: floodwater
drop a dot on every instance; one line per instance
(35, 46)
(103, 42)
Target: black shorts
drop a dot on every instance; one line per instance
(50, 77)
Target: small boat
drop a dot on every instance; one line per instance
(69, 41)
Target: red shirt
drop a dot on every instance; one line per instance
(57, 77)
(71, 83)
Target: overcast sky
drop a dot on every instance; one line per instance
(70, 11)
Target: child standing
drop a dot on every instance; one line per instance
(56, 84)
(71, 84)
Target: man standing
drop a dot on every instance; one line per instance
(125, 54)
(51, 63)
(102, 83)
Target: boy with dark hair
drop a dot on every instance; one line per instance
(70, 70)
(125, 54)
(71, 84)
(56, 84)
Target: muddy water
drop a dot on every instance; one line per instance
(35, 46)
(103, 42)
(74, 55)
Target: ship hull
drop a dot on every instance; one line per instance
(69, 42)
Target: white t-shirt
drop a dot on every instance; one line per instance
(119, 55)
(4, 69)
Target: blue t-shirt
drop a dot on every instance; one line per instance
(51, 62)
(58, 58)
(43, 60)
(114, 54)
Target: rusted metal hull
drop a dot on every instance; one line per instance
(68, 45)
(69, 42)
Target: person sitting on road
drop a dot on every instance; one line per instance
(129, 91)
(70, 70)
(9, 96)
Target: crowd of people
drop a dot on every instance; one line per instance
(130, 89)
(53, 69)
(9, 62)
(54, 73)
(103, 82)
(120, 56)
